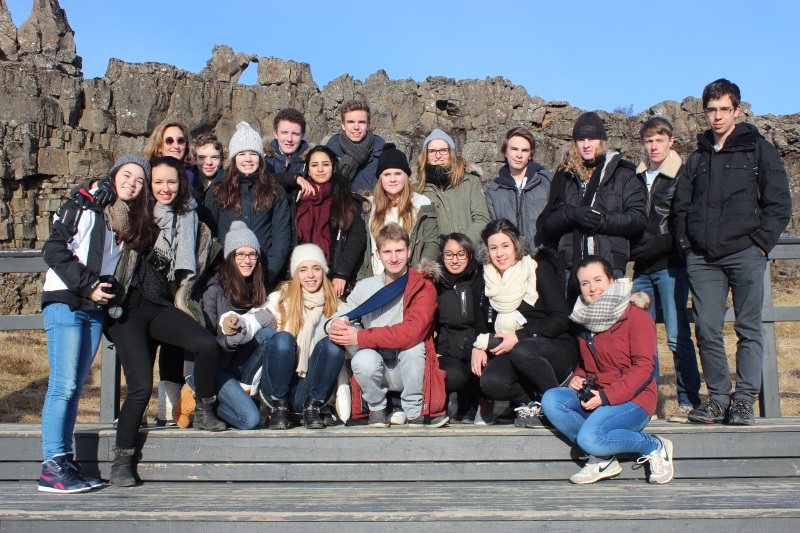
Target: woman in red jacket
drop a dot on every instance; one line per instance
(612, 393)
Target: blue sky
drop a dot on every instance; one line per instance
(593, 54)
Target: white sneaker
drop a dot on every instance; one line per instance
(661, 468)
(595, 469)
(398, 418)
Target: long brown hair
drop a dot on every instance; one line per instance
(227, 194)
(381, 203)
(183, 199)
(341, 192)
(292, 308)
(573, 162)
(140, 231)
(456, 168)
(243, 292)
(153, 148)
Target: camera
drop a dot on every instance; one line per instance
(159, 262)
(585, 394)
(115, 288)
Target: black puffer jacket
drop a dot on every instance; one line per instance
(734, 198)
(460, 314)
(347, 247)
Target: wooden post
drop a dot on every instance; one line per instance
(769, 399)
(109, 383)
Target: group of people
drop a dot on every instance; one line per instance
(324, 282)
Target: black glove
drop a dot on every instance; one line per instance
(593, 220)
(639, 250)
(105, 194)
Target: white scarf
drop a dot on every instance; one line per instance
(313, 303)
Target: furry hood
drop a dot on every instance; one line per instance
(271, 148)
(669, 168)
(641, 300)
(429, 268)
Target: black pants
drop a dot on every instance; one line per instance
(533, 366)
(135, 333)
(459, 376)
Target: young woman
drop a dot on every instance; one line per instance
(151, 274)
(394, 201)
(531, 348)
(302, 364)
(331, 219)
(171, 138)
(613, 393)
(249, 193)
(460, 319)
(82, 253)
(457, 194)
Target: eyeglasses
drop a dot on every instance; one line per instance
(711, 111)
(440, 151)
(459, 255)
(241, 256)
(169, 141)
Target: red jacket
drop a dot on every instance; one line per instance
(419, 310)
(622, 359)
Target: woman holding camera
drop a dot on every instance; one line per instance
(613, 392)
(82, 253)
(151, 275)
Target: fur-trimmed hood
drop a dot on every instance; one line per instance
(669, 168)
(429, 268)
(271, 149)
(641, 300)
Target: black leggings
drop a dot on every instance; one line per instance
(532, 367)
(135, 333)
(459, 376)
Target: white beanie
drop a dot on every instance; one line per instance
(307, 252)
(239, 236)
(245, 138)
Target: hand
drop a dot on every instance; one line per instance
(339, 286)
(479, 360)
(576, 383)
(97, 295)
(344, 334)
(640, 250)
(230, 325)
(338, 323)
(594, 403)
(509, 340)
(105, 194)
(593, 220)
(306, 188)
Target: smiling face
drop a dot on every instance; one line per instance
(246, 259)
(393, 181)
(438, 152)
(320, 168)
(518, 153)
(588, 148)
(355, 125)
(165, 184)
(455, 257)
(288, 134)
(129, 181)
(593, 281)
(502, 251)
(173, 143)
(310, 274)
(247, 161)
(208, 160)
(394, 256)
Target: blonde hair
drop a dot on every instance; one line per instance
(573, 162)
(381, 203)
(456, 167)
(153, 147)
(292, 308)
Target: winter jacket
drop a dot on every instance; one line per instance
(347, 248)
(620, 196)
(460, 315)
(199, 191)
(365, 180)
(215, 305)
(272, 228)
(734, 198)
(524, 206)
(461, 208)
(80, 249)
(622, 358)
(655, 250)
(293, 164)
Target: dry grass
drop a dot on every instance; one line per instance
(24, 371)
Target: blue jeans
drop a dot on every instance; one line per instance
(606, 431)
(234, 405)
(280, 380)
(72, 341)
(669, 290)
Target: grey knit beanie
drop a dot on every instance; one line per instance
(589, 126)
(239, 236)
(439, 134)
(307, 252)
(245, 138)
(136, 159)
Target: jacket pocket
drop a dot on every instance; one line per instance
(738, 223)
(696, 226)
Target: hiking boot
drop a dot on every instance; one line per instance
(529, 415)
(595, 469)
(183, 410)
(485, 414)
(711, 412)
(72, 464)
(429, 421)
(661, 468)
(740, 413)
(311, 415)
(398, 416)
(681, 414)
(58, 477)
(280, 414)
(122, 469)
(377, 419)
(204, 417)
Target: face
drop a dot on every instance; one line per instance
(173, 143)
(310, 274)
(721, 115)
(455, 258)
(593, 282)
(657, 147)
(588, 148)
(288, 134)
(320, 168)
(165, 184)
(246, 260)
(502, 251)
(129, 181)
(394, 256)
(247, 161)
(208, 160)
(393, 181)
(355, 125)
(518, 153)
(438, 152)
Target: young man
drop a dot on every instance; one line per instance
(658, 269)
(284, 153)
(357, 147)
(208, 156)
(730, 208)
(395, 347)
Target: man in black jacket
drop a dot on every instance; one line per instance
(730, 208)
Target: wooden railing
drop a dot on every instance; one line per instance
(29, 261)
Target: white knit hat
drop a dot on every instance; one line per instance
(239, 236)
(245, 138)
(307, 252)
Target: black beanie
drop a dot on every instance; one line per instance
(392, 158)
(589, 126)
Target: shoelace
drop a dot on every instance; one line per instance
(655, 460)
(532, 410)
(738, 406)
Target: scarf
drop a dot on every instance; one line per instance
(313, 303)
(605, 312)
(180, 249)
(117, 214)
(506, 292)
(355, 154)
(313, 217)
(437, 175)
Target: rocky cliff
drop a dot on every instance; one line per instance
(57, 129)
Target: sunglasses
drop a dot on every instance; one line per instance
(169, 141)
